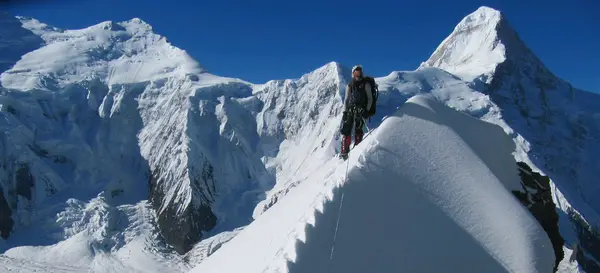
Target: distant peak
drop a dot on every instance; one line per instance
(480, 41)
(482, 17)
(136, 25)
(110, 25)
(139, 22)
(334, 66)
(329, 67)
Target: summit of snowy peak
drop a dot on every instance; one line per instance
(331, 69)
(37, 27)
(136, 24)
(474, 47)
(329, 72)
(115, 53)
(480, 41)
(482, 16)
(139, 22)
(555, 123)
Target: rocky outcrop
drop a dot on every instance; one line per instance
(6, 221)
(588, 247)
(537, 197)
(181, 230)
(20, 184)
(24, 181)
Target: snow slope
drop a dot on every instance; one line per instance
(124, 52)
(111, 137)
(559, 122)
(422, 183)
(118, 97)
(473, 48)
(99, 238)
(557, 125)
(310, 139)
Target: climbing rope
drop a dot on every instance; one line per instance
(337, 224)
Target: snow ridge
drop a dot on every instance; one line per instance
(298, 125)
(555, 126)
(559, 122)
(474, 48)
(108, 51)
(115, 109)
(407, 172)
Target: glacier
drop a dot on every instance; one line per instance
(122, 153)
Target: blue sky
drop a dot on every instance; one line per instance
(262, 40)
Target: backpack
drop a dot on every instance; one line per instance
(374, 95)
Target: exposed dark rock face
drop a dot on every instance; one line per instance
(588, 264)
(537, 197)
(20, 182)
(588, 253)
(6, 221)
(24, 181)
(181, 230)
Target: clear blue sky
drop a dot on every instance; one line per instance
(262, 40)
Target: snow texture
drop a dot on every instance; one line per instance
(557, 126)
(419, 195)
(117, 96)
(119, 53)
(473, 49)
(119, 152)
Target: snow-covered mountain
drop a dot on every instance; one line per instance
(114, 108)
(547, 111)
(121, 153)
(558, 125)
(424, 187)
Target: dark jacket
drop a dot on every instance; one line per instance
(358, 94)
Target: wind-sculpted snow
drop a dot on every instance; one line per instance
(557, 126)
(110, 129)
(307, 118)
(417, 197)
